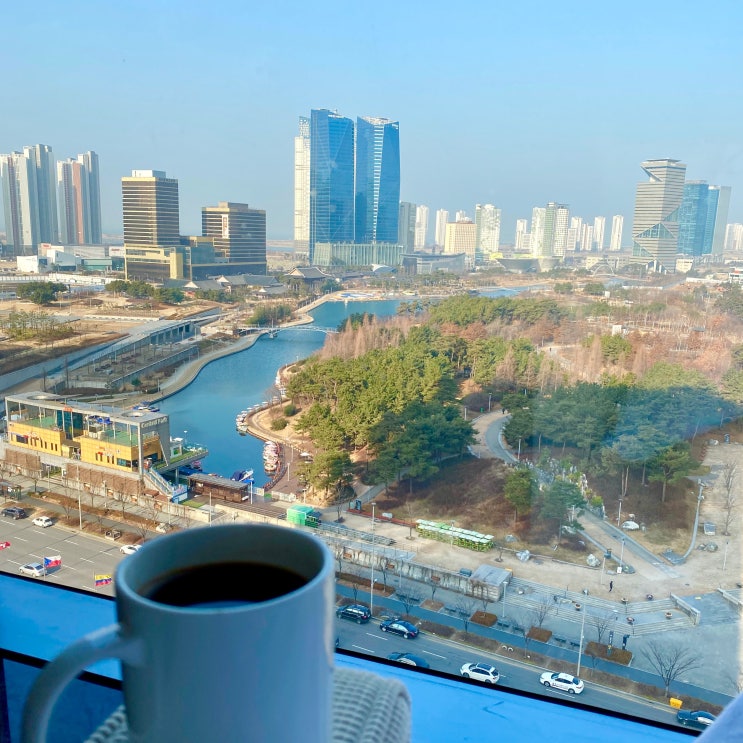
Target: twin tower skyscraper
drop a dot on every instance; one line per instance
(346, 180)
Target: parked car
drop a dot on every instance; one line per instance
(399, 627)
(129, 549)
(480, 672)
(355, 612)
(409, 659)
(34, 569)
(42, 521)
(562, 681)
(14, 512)
(698, 719)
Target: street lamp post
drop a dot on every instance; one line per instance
(700, 498)
(490, 397)
(619, 515)
(621, 558)
(503, 612)
(725, 558)
(580, 643)
(80, 508)
(371, 587)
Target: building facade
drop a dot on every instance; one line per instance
(442, 219)
(331, 179)
(79, 200)
(656, 221)
(599, 228)
(377, 191)
(461, 237)
(28, 184)
(421, 227)
(238, 233)
(302, 186)
(152, 241)
(406, 225)
(617, 225)
(487, 220)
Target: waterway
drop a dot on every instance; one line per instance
(204, 412)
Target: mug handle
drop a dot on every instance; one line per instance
(60, 671)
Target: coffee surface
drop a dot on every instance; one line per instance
(225, 584)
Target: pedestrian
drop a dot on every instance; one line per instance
(611, 586)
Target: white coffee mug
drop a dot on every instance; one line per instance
(224, 634)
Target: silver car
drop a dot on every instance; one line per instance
(480, 672)
(34, 569)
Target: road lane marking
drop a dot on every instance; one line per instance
(363, 649)
(74, 544)
(436, 655)
(85, 559)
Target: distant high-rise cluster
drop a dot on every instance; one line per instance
(346, 180)
(46, 202)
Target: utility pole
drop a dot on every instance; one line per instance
(371, 589)
(580, 643)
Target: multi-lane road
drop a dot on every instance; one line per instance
(84, 557)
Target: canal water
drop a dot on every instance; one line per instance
(204, 412)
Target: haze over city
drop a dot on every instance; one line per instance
(503, 104)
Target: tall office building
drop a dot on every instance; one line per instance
(150, 205)
(302, 185)
(239, 235)
(377, 180)
(657, 203)
(599, 227)
(557, 217)
(538, 215)
(461, 237)
(487, 220)
(442, 218)
(734, 237)
(587, 237)
(29, 197)
(575, 231)
(421, 227)
(331, 179)
(617, 225)
(702, 219)
(79, 200)
(406, 225)
(520, 238)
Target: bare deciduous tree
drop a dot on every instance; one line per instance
(542, 610)
(729, 495)
(465, 608)
(601, 622)
(670, 661)
(409, 595)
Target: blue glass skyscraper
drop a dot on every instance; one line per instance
(377, 180)
(693, 219)
(331, 179)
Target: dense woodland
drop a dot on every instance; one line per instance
(619, 386)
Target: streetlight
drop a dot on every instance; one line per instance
(580, 643)
(503, 612)
(490, 397)
(621, 557)
(700, 498)
(725, 558)
(619, 515)
(371, 591)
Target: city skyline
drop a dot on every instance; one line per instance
(499, 147)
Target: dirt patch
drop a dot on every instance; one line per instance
(484, 618)
(539, 633)
(433, 605)
(615, 655)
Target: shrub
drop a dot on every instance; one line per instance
(279, 424)
(290, 410)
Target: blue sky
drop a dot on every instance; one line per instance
(511, 103)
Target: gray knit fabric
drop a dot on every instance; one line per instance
(366, 709)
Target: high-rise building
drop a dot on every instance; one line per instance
(377, 180)
(406, 225)
(557, 217)
(586, 237)
(239, 235)
(442, 219)
(487, 220)
(302, 185)
(461, 216)
(461, 237)
(599, 227)
(150, 205)
(536, 248)
(734, 237)
(520, 239)
(702, 219)
(79, 200)
(331, 179)
(575, 231)
(421, 227)
(29, 197)
(617, 224)
(657, 202)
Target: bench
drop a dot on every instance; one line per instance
(518, 628)
(451, 609)
(503, 624)
(574, 644)
(559, 639)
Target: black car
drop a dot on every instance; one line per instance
(13, 512)
(409, 659)
(399, 627)
(356, 612)
(698, 719)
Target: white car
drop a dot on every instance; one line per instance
(562, 681)
(129, 549)
(481, 672)
(42, 521)
(34, 569)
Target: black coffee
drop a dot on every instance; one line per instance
(223, 584)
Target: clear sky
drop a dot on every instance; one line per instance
(510, 102)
